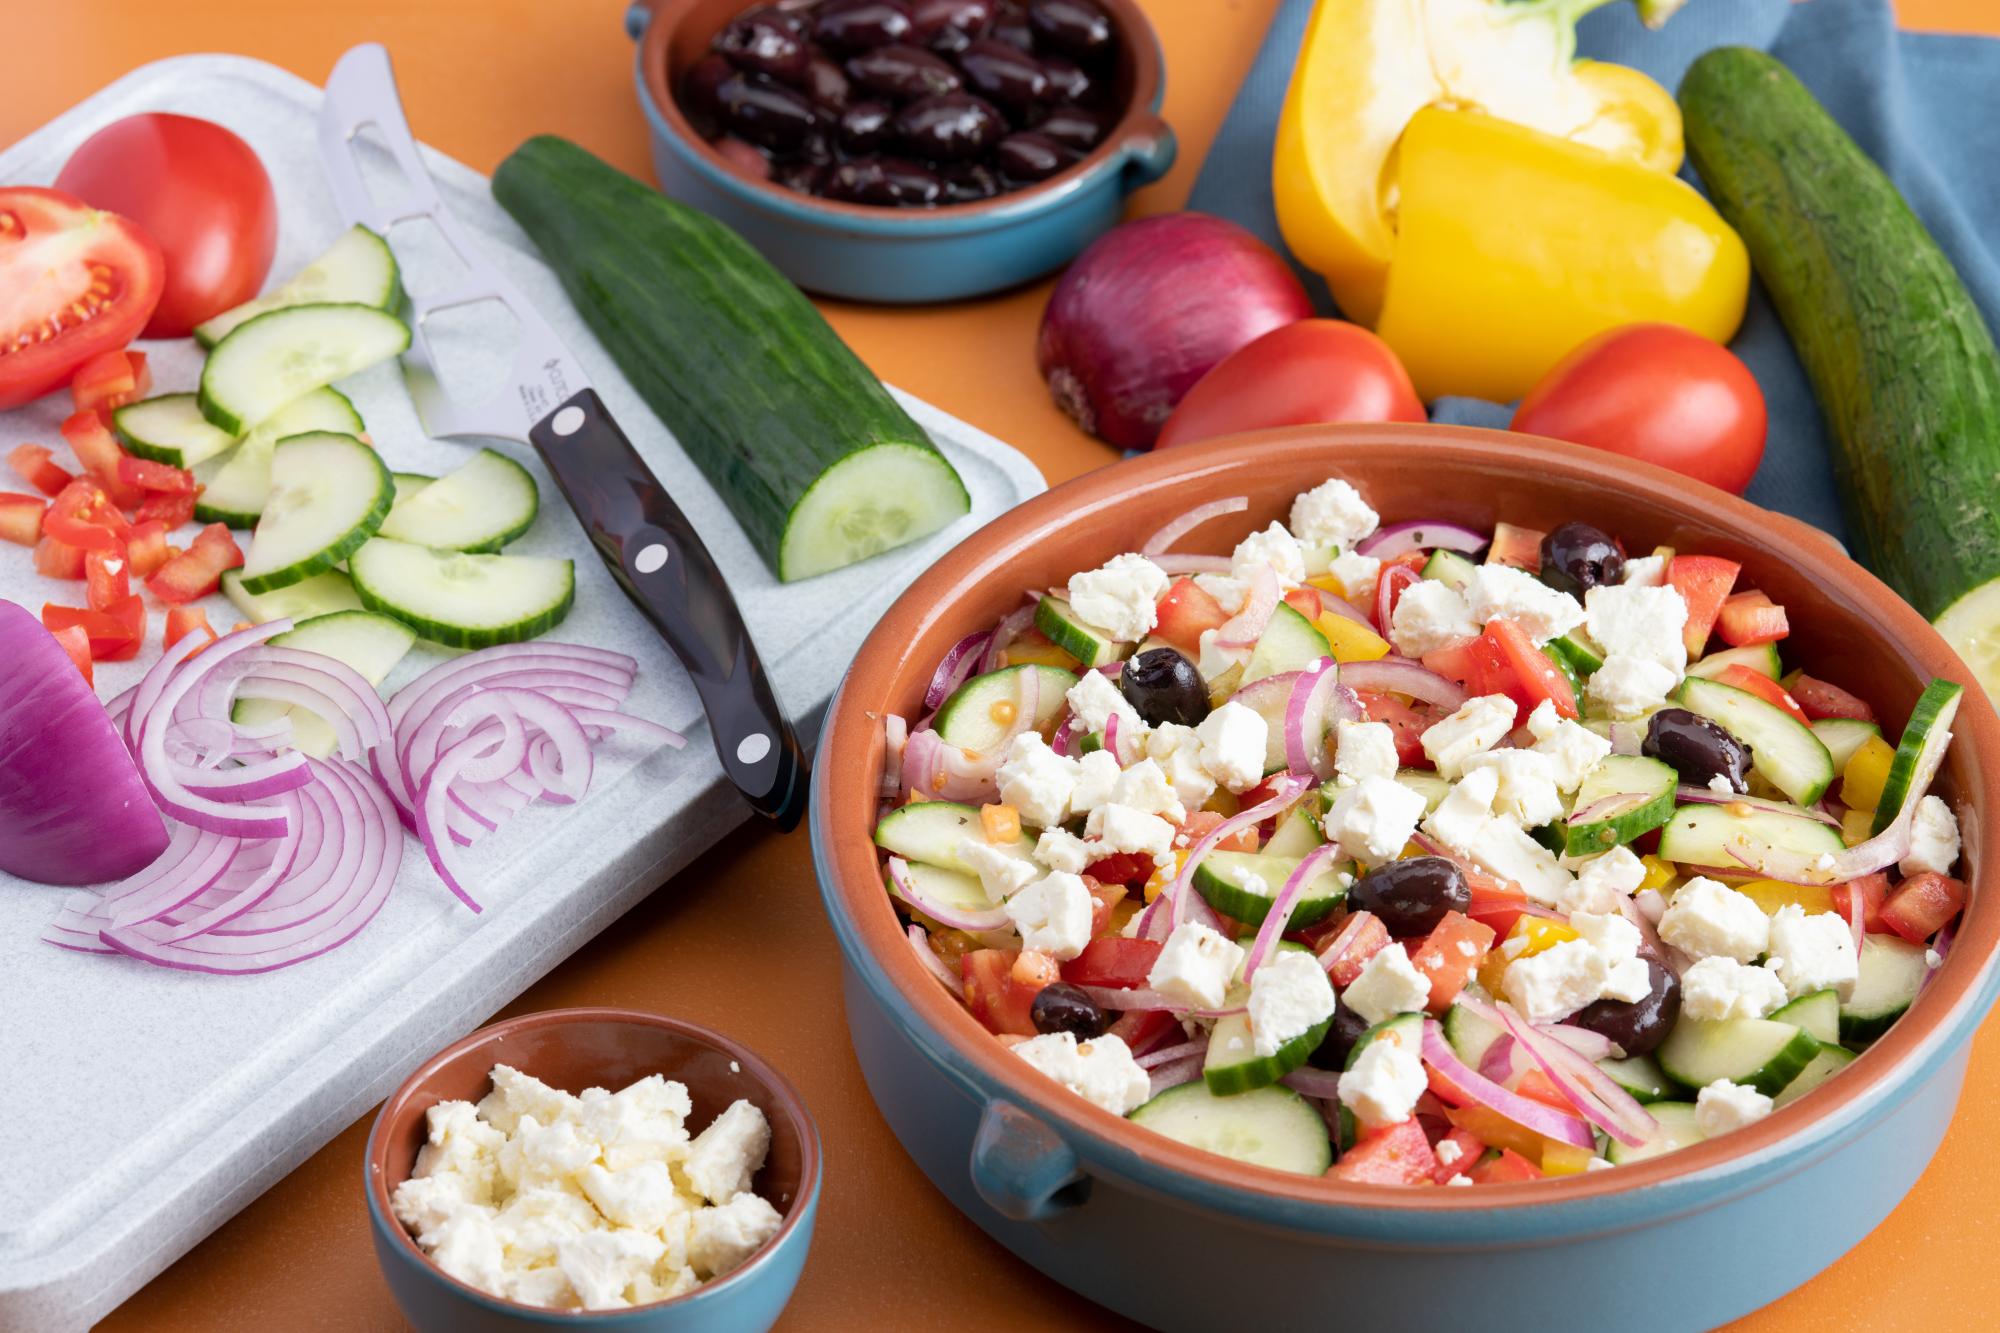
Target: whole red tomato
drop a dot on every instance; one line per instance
(1296, 375)
(1659, 393)
(200, 192)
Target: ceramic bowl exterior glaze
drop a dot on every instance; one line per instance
(1185, 1240)
(902, 256)
(574, 1049)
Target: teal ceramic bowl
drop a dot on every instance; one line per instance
(902, 256)
(574, 1049)
(1183, 1239)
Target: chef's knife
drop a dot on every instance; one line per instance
(649, 545)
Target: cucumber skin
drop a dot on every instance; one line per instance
(1898, 354)
(754, 383)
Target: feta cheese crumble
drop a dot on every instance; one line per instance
(1233, 744)
(1274, 547)
(1364, 750)
(1430, 615)
(1707, 919)
(1289, 996)
(1195, 966)
(1388, 984)
(1933, 839)
(1053, 914)
(1100, 1070)
(1333, 514)
(1814, 952)
(1477, 726)
(1120, 597)
(1723, 1106)
(1384, 1083)
(1374, 819)
(1502, 592)
(1718, 987)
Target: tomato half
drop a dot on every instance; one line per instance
(74, 282)
(1703, 581)
(1658, 393)
(1299, 374)
(202, 194)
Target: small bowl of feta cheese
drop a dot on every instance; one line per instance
(597, 1166)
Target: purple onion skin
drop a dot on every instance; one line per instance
(1149, 309)
(73, 809)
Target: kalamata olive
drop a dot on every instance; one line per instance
(1061, 1007)
(1162, 684)
(892, 182)
(825, 84)
(969, 182)
(1067, 79)
(849, 26)
(865, 127)
(1411, 896)
(932, 17)
(794, 14)
(950, 127)
(1697, 749)
(1028, 156)
(762, 43)
(765, 112)
(804, 176)
(902, 72)
(1010, 25)
(746, 158)
(1333, 1050)
(1073, 127)
(701, 91)
(1003, 74)
(1075, 27)
(1642, 1025)
(949, 41)
(1577, 557)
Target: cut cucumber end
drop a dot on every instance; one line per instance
(329, 493)
(1934, 711)
(1783, 750)
(1971, 625)
(461, 600)
(871, 501)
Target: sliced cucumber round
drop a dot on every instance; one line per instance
(1271, 1126)
(1626, 796)
(369, 643)
(1232, 1066)
(1752, 1052)
(1935, 709)
(357, 268)
(1782, 749)
(1642, 1076)
(1971, 625)
(874, 499)
(947, 888)
(1677, 1129)
(967, 718)
(1449, 568)
(1468, 1035)
(1761, 658)
(461, 600)
(408, 484)
(481, 505)
(1230, 880)
(1818, 1013)
(1288, 643)
(1830, 1061)
(170, 429)
(329, 493)
(273, 360)
(1842, 736)
(930, 832)
(1087, 644)
(235, 488)
(1297, 834)
(320, 595)
(1701, 835)
(1892, 971)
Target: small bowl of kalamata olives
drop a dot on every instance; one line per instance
(905, 150)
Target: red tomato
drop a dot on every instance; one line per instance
(1658, 393)
(58, 560)
(1868, 893)
(1922, 904)
(77, 644)
(1522, 671)
(1470, 1150)
(84, 516)
(1113, 962)
(97, 449)
(1496, 903)
(109, 579)
(1143, 1030)
(1822, 699)
(1123, 868)
(147, 547)
(1103, 898)
(185, 620)
(1703, 582)
(1396, 1155)
(202, 194)
(169, 510)
(38, 468)
(21, 518)
(1761, 685)
(1296, 375)
(1405, 720)
(1305, 601)
(1539, 1087)
(1751, 617)
(1391, 583)
(130, 613)
(108, 634)
(1201, 823)
(77, 282)
(1362, 938)
(110, 380)
(1184, 612)
(1444, 963)
(994, 995)
(1519, 547)
(199, 571)
(1505, 1169)
(160, 478)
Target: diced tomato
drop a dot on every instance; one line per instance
(200, 570)
(77, 644)
(97, 449)
(109, 577)
(1445, 1090)
(1455, 661)
(1470, 1150)
(1521, 671)
(1391, 582)
(130, 613)
(1505, 1169)
(1406, 721)
(1823, 699)
(21, 518)
(1703, 582)
(994, 994)
(1104, 897)
(110, 380)
(170, 510)
(1922, 904)
(1539, 1087)
(1519, 547)
(1450, 955)
(1397, 1154)
(1123, 868)
(1184, 612)
(1496, 903)
(146, 548)
(1201, 823)
(39, 469)
(1305, 601)
(1752, 681)
(107, 633)
(1144, 1029)
(84, 516)
(1360, 939)
(1113, 962)
(1751, 617)
(58, 560)
(185, 620)
(161, 478)
(1871, 890)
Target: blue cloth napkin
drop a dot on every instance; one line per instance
(1925, 106)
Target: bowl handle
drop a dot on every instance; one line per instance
(637, 15)
(1150, 149)
(1022, 1168)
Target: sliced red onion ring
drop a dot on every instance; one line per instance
(1590, 1045)
(1288, 789)
(1009, 629)
(1499, 1062)
(1692, 795)
(1066, 736)
(902, 886)
(1309, 714)
(1627, 738)
(956, 667)
(1177, 528)
(1280, 911)
(1184, 1070)
(171, 678)
(920, 944)
(1141, 997)
(1337, 948)
(1595, 1095)
(1310, 1082)
(1167, 1054)
(1857, 916)
(946, 771)
(1526, 1112)
(1345, 610)
(1260, 603)
(1403, 677)
(1604, 807)
(1193, 564)
(1420, 535)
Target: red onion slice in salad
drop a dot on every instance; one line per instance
(1309, 715)
(1420, 535)
(1403, 677)
(1526, 1112)
(1288, 790)
(1338, 947)
(1193, 564)
(1310, 1082)
(1168, 1054)
(1176, 528)
(1280, 911)
(920, 945)
(1184, 1070)
(895, 735)
(944, 914)
(1692, 795)
(1260, 603)
(956, 667)
(1614, 1111)
(1141, 997)
(1009, 629)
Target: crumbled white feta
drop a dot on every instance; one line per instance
(1121, 597)
(1124, 829)
(1053, 914)
(1388, 984)
(1428, 616)
(1228, 591)
(1144, 786)
(1289, 995)
(1718, 987)
(1364, 750)
(1629, 687)
(1274, 547)
(1464, 810)
(1706, 919)
(1723, 1106)
(721, 1239)
(1384, 1083)
(1813, 952)
(1448, 1152)
(1037, 781)
(1095, 699)
(1177, 750)
(1631, 620)
(1572, 748)
(1551, 985)
(724, 1157)
(1502, 592)
(1478, 725)
(1059, 849)
(1234, 740)
(1100, 1070)
(1333, 514)
(1195, 966)
(1002, 870)
(1602, 881)
(1460, 1178)
(1097, 776)
(1721, 785)
(1374, 819)
(1356, 574)
(1646, 571)
(1503, 848)
(1527, 793)
(1933, 839)
(1214, 659)
(1626, 976)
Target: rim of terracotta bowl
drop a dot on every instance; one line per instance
(378, 1186)
(974, 585)
(1136, 131)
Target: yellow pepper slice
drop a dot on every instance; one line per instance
(1350, 640)
(1564, 1159)
(1772, 894)
(1866, 774)
(1659, 873)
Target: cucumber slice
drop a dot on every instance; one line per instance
(1225, 880)
(1426, 784)
(1971, 625)
(1092, 647)
(1782, 749)
(1271, 1126)
(1830, 1061)
(1468, 1035)
(930, 831)
(1232, 1065)
(460, 600)
(236, 488)
(321, 595)
(1701, 835)
(329, 493)
(1296, 835)
(1566, 667)
(967, 721)
(1642, 1076)
(408, 484)
(170, 429)
(1892, 971)
(1754, 1052)
(359, 267)
(276, 359)
(1288, 643)
(1577, 651)
(949, 888)
(481, 505)
(1449, 568)
(1818, 1013)
(1759, 657)
(369, 643)
(1647, 787)
(1677, 1130)
(1842, 736)
(1935, 709)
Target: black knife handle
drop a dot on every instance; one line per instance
(661, 563)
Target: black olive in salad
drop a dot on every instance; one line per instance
(1697, 748)
(1411, 897)
(1162, 685)
(1577, 557)
(1640, 1026)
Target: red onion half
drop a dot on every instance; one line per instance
(1148, 310)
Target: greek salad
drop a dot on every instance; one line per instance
(1415, 854)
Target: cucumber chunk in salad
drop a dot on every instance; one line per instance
(1818, 1013)
(1702, 835)
(1232, 1065)
(1675, 1129)
(236, 487)
(1269, 1126)
(1830, 1061)
(1761, 658)
(1642, 1076)
(982, 710)
(460, 600)
(358, 268)
(1087, 644)
(931, 831)
(481, 505)
(276, 359)
(329, 493)
(1289, 643)
(1842, 736)
(1624, 797)
(1755, 1053)
(1782, 749)
(1936, 707)
(1892, 971)
(1241, 886)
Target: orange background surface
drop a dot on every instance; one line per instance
(738, 940)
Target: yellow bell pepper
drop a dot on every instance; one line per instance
(1659, 874)
(1350, 640)
(1772, 894)
(1367, 67)
(1564, 1159)
(1513, 247)
(1866, 774)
